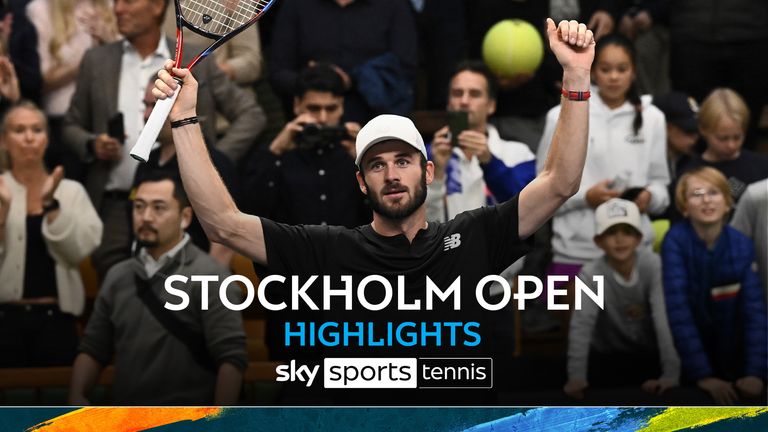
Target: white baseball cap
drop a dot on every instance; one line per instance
(388, 127)
(616, 211)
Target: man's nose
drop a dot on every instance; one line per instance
(146, 214)
(322, 117)
(390, 173)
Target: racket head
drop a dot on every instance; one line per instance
(219, 19)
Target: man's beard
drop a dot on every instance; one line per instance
(147, 243)
(419, 197)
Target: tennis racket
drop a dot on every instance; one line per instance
(215, 19)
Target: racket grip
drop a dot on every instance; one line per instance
(151, 130)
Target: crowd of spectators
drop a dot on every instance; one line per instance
(677, 136)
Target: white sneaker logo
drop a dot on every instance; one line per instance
(452, 241)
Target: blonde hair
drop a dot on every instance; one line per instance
(5, 158)
(709, 175)
(723, 102)
(23, 104)
(64, 23)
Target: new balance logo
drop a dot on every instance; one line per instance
(452, 241)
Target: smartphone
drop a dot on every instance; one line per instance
(631, 193)
(458, 122)
(116, 127)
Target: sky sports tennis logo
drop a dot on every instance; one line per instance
(392, 373)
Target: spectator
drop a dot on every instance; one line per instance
(9, 85)
(47, 226)
(442, 38)
(680, 112)
(627, 148)
(751, 219)
(715, 304)
(623, 343)
(306, 174)
(99, 95)
(347, 34)
(723, 122)
(189, 356)
(483, 169)
(66, 29)
(645, 23)
(600, 15)
(22, 43)
(163, 158)
(718, 43)
(240, 58)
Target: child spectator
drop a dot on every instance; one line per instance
(680, 111)
(715, 303)
(750, 219)
(626, 341)
(723, 122)
(627, 157)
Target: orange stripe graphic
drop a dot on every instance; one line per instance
(122, 419)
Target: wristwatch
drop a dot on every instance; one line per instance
(51, 206)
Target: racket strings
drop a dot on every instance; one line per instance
(220, 17)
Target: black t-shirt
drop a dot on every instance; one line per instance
(746, 169)
(475, 244)
(39, 267)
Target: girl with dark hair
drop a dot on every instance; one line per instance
(626, 157)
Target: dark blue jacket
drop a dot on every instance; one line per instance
(715, 304)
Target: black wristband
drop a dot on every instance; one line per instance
(184, 122)
(53, 205)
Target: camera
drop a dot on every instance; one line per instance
(313, 136)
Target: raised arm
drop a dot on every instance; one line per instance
(222, 221)
(560, 176)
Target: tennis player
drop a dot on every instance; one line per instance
(394, 173)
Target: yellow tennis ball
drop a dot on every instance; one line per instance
(513, 47)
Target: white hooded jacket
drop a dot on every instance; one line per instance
(614, 153)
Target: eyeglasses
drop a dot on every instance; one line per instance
(699, 194)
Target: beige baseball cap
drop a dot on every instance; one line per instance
(388, 127)
(616, 211)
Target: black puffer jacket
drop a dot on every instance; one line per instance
(718, 20)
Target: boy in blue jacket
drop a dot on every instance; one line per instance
(715, 304)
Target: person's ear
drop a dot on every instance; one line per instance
(296, 106)
(186, 218)
(361, 183)
(491, 107)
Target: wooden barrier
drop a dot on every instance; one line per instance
(41, 378)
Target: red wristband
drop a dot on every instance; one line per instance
(576, 95)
